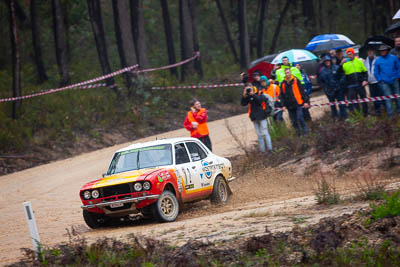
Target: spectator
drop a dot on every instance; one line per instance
(280, 74)
(373, 83)
(256, 78)
(256, 101)
(273, 72)
(356, 78)
(339, 56)
(332, 53)
(387, 73)
(330, 81)
(273, 91)
(293, 98)
(307, 90)
(396, 50)
(196, 123)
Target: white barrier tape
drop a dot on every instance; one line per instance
(199, 86)
(196, 55)
(118, 72)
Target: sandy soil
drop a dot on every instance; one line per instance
(276, 200)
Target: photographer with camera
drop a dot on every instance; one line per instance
(259, 110)
(256, 78)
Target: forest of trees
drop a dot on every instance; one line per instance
(47, 44)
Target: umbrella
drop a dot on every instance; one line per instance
(326, 42)
(375, 42)
(267, 58)
(397, 15)
(295, 55)
(264, 67)
(393, 28)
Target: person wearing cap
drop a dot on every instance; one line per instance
(356, 79)
(372, 82)
(256, 78)
(330, 82)
(286, 64)
(387, 73)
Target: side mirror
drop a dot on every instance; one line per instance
(104, 175)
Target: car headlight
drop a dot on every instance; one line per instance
(138, 186)
(95, 193)
(146, 185)
(87, 195)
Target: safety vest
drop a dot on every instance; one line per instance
(295, 89)
(263, 104)
(354, 66)
(202, 128)
(273, 91)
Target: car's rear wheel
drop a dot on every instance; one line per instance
(94, 220)
(220, 192)
(166, 209)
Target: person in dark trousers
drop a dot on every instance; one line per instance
(256, 101)
(387, 73)
(294, 99)
(196, 123)
(308, 90)
(356, 80)
(374, 89)
(330, 82)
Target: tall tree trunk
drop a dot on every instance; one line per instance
(65, 7)
(42, 77)
(278, 26)
(168, 36)
(308, 12)
(261, 28)
(98, 32)
(372, 16)
(186, 34)
(138, 32)
(227, 31)
(123, 33)
(61, 45)
(243, 34)
(332, 16)
(196, 46)
(320, 16)
(16, 65)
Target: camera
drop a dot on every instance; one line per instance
(248, 90)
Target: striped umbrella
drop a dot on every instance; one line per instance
(326, 42)
(295, 55)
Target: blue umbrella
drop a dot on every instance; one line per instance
(326, 42)
(295, 55)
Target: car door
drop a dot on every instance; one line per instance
(185, 167)
(199, 160)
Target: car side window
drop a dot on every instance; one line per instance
(181, 155)
(195, 151)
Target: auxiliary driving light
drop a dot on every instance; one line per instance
(87, 194)
(138, 186)
(95, 193)
(146, 185)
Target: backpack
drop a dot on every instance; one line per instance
(268, 105)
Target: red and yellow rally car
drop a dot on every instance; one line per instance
(154, 179)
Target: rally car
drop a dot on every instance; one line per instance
(155, 179)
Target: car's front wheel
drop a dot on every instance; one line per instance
(220, 192)
(94, 220)
(166, 208)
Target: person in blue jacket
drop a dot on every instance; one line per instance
(307, 89)
(387, 73)
(330, 79)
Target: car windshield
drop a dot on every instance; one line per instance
(141, 158)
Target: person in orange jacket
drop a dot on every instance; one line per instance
(272, 90)
(196, 123)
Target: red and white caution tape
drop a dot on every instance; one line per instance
(81, 84)
(199, 86)
(358, 101)
(196, 56)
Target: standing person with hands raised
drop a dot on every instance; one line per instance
(196, 123)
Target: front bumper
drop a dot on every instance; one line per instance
(122, 201)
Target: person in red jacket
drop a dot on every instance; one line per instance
(196, 123)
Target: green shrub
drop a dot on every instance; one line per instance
(390, 208)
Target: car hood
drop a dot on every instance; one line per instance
(120, 178)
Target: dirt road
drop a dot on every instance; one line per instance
(53, 191)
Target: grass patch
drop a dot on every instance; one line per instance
(390, 207)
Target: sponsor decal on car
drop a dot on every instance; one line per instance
(189, 186)
(208, 169)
